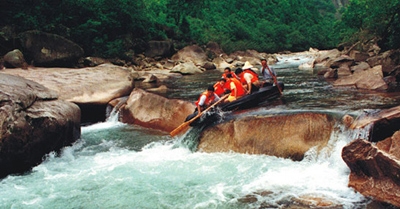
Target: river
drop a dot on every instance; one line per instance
(115, 165)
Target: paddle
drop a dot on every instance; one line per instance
(275, 80)
(184, 125)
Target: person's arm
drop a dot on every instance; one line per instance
(217, 98)
(233, 88)
(265, 73)
(273, 71)
(201, 103)
(248, 78)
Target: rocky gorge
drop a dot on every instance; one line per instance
(53, 97)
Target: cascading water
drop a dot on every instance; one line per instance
(116, 165)
(103, 171)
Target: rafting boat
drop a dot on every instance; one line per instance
(264, 94)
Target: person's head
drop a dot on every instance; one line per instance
(238, 71)
(222, 81)
(247, 65)
(227, 70)
(229, 76)
(263, 62)
(210, 89)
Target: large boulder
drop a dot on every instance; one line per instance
(382, 123)
(368, 79)
(33, 122)
(325, 58)
(15, 58)
(191, 53)
(375, 168)
(159, 48)
(154, 111)
(47, 49)
(97, 85)
(288, 136)
(187, 68)
(388, 60)
(251, 56)
(214, 50)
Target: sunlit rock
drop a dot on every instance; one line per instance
(307, 65)
(343, 71)
(97, 85)
(383, 115)
(369, 79)
(251, 56)
(358, 56)
(347, 120)
(33, 122)
(187, 68)
(153, 111)
(375, 169)
(161, 89)
(222, 63)
(342, 61)
(288, 136)
(359, 67)
(193, 53)
(325, 58)
(15, 58)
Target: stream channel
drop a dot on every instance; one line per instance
(116, 165)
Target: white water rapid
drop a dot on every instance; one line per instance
(106, 169)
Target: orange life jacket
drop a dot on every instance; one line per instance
(254, 79)
(219, 89)
(232, 73)
(209, 99)
(239, 87)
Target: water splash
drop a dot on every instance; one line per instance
(190, 139)
(113, 116)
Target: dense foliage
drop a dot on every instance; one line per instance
(110, 27)
(363, 20)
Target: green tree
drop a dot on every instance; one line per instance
(366, 19)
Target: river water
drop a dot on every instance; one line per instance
(115, 165)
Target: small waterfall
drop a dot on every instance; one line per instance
(113, 115)
(190, 139)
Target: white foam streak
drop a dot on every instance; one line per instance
(163, 173)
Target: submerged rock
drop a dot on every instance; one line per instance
(288, 136)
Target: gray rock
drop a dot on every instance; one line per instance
(33, 122)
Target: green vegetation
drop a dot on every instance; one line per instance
(363, 20)
(109, 28)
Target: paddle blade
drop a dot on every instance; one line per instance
(183, 127)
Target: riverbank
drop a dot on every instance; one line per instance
(302, 94)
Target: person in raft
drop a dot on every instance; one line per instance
(220, 87)
(248, 78)
(236, 88)
(228, 71)
(205, 100)
(267, 73)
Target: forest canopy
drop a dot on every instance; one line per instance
(109, 28)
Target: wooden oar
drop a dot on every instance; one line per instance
(184, 125)
(275, 80)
